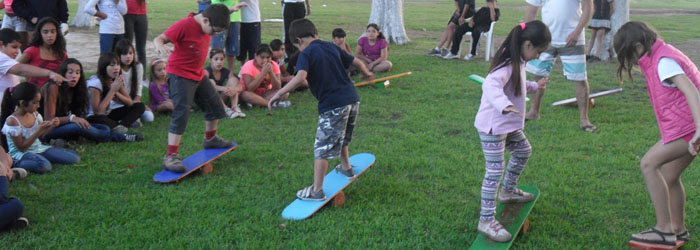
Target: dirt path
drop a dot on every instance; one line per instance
(84, 45)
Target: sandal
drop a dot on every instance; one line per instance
(638, 237)
(685, 236)
(308, 194)
(589, 128)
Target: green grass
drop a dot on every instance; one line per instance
(423, 191)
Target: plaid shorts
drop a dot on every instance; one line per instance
(573, 59)
(335, 131)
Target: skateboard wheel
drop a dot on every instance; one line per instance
(525, 228)
(339, 199)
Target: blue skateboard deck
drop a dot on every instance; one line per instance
(333, 184)
(193, 162)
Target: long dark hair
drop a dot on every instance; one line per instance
(105, 60)
(23, 92)
(122, 48)
(625, 43)
(58, 48)
(376, 27)
(70, 99)
(509, 53)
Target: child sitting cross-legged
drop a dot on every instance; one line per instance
(261, 78)
(24, 126)
(225, 83)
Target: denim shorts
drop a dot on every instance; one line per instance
(335, 130)
(15, 23)
(183, 92)
(229, 39)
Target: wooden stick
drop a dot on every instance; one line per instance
(382, 79)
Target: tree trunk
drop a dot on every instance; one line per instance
(388, 14)
(618, 18)
(83, 19)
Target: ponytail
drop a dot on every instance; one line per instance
(22, 92)
(510, 51)
(376, 27)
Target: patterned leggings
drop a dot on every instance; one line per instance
(494, 147)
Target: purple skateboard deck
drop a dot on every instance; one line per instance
(193, 162)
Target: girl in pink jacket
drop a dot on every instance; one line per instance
(500, 121)
(673, 83)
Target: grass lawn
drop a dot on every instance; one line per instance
(424, 189)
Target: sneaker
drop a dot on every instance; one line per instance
(308, 194)
(20, 223)
(450, 56)
(119, 129)
(468, 57)
(434, 52)
(347, 173)
(517, 196)
(494, 231)
(239, 111)
(137, 123)
(229, 112)
(217, 142)
(19, 173)
(282, 104)
(444, 52)
(249, 105)
(134, 137)
(236, 114)
(59, 143)
(173, 163)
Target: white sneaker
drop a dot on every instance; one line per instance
(494, 231)
(468, 57)
(517, 196)
(229, 112)
(450, 56)
(282, 104)
(239, 111)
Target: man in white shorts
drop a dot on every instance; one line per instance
(566, 20)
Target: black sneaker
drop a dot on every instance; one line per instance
(308, 194)
(434, 52)
(134, 137)
(20, 223)
(217, 142)
(347, 173)
(18, 173)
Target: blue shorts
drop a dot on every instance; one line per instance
(229, 39)
(573, 59)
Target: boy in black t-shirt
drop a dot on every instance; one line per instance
(322, 64)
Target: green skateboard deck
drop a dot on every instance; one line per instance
(513, 216)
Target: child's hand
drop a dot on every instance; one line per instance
(55, 77)
(694, 144)
(239, 6)
(512, 109)
(369, 76)
(55, 122)
(117, 83)
(161, 50)
(267, 68)
(101, 15)
(82, 123)
(274, 99)
(542, 83)
(45, 126)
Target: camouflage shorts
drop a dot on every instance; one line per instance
(335, 131)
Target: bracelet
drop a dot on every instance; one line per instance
(70, 118)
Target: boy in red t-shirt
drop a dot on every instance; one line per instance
(187, 80)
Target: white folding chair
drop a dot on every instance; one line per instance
(489, 42)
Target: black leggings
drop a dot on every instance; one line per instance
(457, 37)
(291, 12)
(137, 24)
(125, 115)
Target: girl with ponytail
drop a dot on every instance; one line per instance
(500, 121)
(373, 50)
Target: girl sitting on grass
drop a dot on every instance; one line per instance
(500, 122)
(158, 89)
(225, 83)
(373, 50)
(673, 82)
(68, 102)
(24, 126)
(261, 79)
(132, 73)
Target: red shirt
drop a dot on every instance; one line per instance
(136, 7)
(36, 60)
(191, 47)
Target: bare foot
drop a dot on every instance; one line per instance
(532, 116)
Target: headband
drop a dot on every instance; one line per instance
(522, 26)
(156, 61)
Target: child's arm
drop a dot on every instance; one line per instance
(121, 6)
(693, 97)
(159, 43)
(253, 83)
(99, 106)
(291, 85)
(359, 55)
(492, 89)
(532, 87)
(361, 66)
(463, 14)
(274, 77)
(27, 70)
(347, 48)
(492, 10)
(382, 57)
(237, 7)
(91, 10)
(121, 94)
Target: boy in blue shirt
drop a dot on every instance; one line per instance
(322, 64)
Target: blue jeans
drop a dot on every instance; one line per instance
(228, 40)
(96, 132)
(107, 41)
(41, 163)
(202, 6)
(10, 211)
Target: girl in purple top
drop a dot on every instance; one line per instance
(373, 51)
(500, 121)
(158, 89)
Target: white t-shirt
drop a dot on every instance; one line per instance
(94, 82)
(294, 1)
(562, 17)
(127, 85)
(668, 68)
(114, 23)
(6, 80)
(250, 13)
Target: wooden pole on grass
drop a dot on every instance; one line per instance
(381, 79)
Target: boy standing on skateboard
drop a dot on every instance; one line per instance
(187, 81)
(323, 65)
